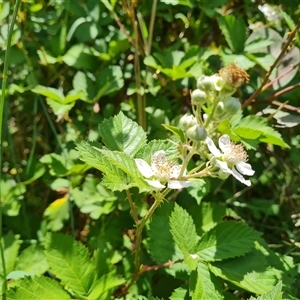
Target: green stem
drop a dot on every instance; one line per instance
(158, 199)
(132, 207)
(151, 26)
(185, 163)
(137, 71)
(4, 82)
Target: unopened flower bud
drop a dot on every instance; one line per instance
(219, 108)
(232, 105)
(197, 133)
(206, 83)
(198, 97)
(186, 122)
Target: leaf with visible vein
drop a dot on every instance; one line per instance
(103, 287)
(37, 288)
(69, 260)
(89, 154)
(250, 272)
(273, 294)
(202, 286)
(122, 134)
(156, 145)
(225, 240)
(184, 234)
(256, 128)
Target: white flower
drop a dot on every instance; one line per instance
(232, 159)
(272, 13)
(162, 171)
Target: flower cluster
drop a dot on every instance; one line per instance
(272, 13)
(212, 102)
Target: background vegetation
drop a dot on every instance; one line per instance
(73, 64)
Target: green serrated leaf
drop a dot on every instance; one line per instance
(234, 30)
(201, 284)
(180, 294)
(256, 128)
(249, 272)
(120, 170)
(69, 261)
(118, 183)
(32, 259)
(273, 294)
(122, 161)
(286, 271)
(208, 215)
(161, 244)
(122, 134)
(11, 245)
(104, 286)
(226, 240)
(149, 149)
(90, 154)
(37, 288)
(184, 233)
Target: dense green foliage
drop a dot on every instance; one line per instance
(91, 91)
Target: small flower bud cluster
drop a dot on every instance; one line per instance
(214, 93)
(212, 102)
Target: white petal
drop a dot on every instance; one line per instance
(143, 167)
(212, 147)
(175, 171)
(240, 178)
(217, 82)
(223, 166)
(224, 143)
(161, 154)
(177, 185)
(155, 183)
(245, 168)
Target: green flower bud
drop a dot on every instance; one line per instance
(186, 122)
(219, 108)
(197, 133)
(232, 105)
(198, 97)
(206, 83)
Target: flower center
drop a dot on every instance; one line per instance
(235, 154)
(161, 167)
